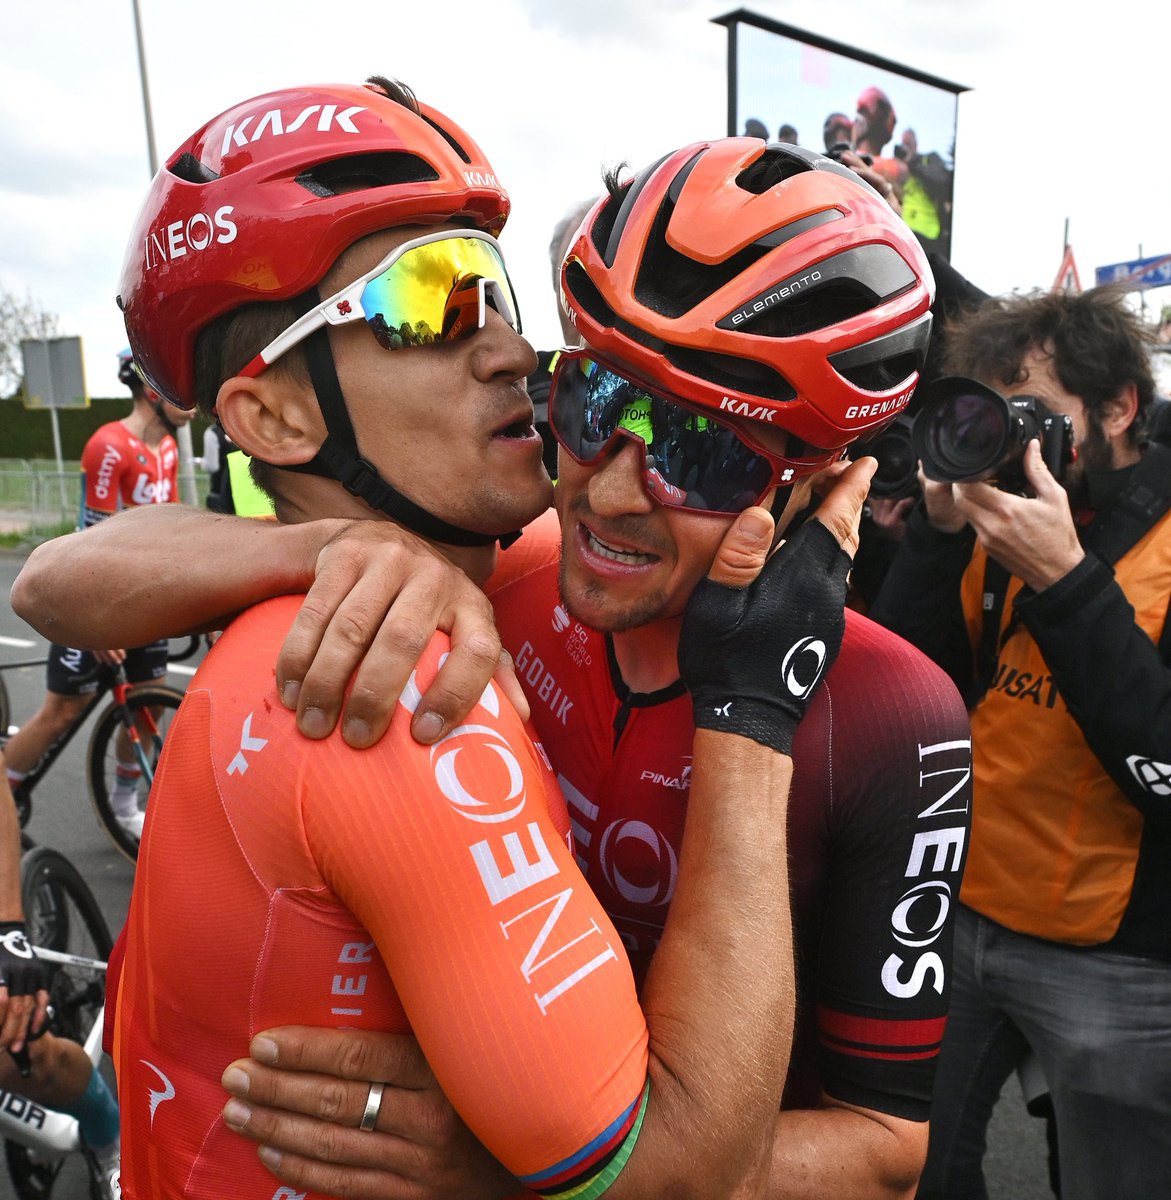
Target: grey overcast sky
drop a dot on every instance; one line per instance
(1062, 121)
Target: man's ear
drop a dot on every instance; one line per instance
(272, 418)
(1120, 412)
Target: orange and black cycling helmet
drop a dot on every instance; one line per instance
(763, 281)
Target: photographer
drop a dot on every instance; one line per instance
(1047, 609)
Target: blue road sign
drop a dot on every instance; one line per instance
(1138, 275)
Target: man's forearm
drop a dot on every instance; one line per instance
(847, 1153)
(10, 908)
(719, 997)
(161, 570)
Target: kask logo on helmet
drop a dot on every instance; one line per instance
(741, 408)
(197, 232)
(273, 124)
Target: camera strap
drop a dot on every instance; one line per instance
(1115, 530)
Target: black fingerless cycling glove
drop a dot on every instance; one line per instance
(21, 972)
(752, 657)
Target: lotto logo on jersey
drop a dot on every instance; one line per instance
(1153, 777)
(150, 491)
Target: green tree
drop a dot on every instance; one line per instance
(20, 317)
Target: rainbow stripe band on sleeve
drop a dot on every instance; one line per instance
(592, 1170)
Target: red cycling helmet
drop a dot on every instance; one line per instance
(259, 202)
(767, 282)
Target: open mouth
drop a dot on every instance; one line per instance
(522, 428)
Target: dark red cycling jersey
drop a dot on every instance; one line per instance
(878, 812)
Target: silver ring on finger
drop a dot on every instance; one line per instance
(373, 1104)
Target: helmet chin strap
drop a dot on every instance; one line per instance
(163, 419)
(338, 457)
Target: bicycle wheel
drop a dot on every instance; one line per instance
(153, 707)
(32, 1172)
(61, 913)
(5, 711)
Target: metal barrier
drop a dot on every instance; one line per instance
(35, 496)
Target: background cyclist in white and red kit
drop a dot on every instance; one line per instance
(126, 463)
(747, 312)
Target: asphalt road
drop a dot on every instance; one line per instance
(63, 818)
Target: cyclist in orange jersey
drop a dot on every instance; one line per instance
(431, 888)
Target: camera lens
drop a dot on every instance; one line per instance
(963, 434)
(898, 467)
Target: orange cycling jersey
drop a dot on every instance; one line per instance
(122, 471)
(283, 880)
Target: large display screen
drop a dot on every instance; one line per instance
(785, 84)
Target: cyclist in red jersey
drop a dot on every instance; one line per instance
(432, 888)
(823, 280)
(125, 463)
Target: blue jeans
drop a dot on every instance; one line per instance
(1100, 1025)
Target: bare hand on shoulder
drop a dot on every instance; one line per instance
(379, 596)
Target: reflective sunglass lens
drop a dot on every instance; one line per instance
(435, 292)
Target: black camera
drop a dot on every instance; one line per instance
(835, 152)
(898, 465)
(966, 432)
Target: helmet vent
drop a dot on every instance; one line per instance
(885, 362)
(734, 374)
(672, 284)
(358, 172)
(446, 137)
(772, 167)
(581, 287)
(188, 168)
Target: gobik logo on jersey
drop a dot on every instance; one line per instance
(541, 684)
(1153, 777)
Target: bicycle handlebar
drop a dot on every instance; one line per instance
(73, 960)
